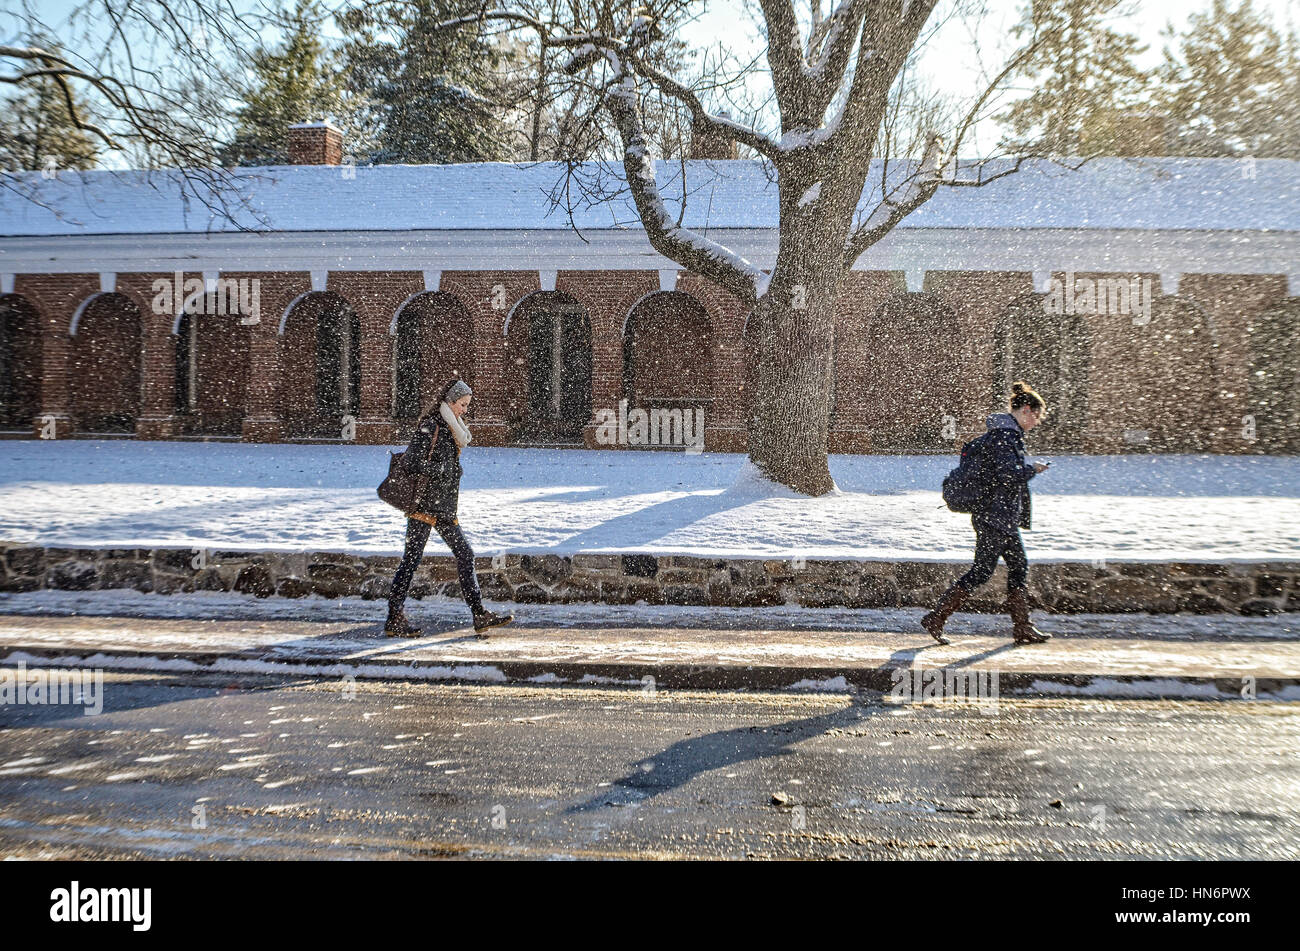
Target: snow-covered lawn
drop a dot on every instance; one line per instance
(290, 497)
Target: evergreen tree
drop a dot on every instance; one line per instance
(1225, 87)
(1087, 90)
(298, 81)
(39, 131)
(431, 96)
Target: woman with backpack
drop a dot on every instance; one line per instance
(999, 485)
(434, 453)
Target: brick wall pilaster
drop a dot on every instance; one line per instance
(376, 296)
(861, 296)
(978, 299)
(56, 298)
(1232, 302)
(263, 421)
(157, 419)
(607, 296)
(489, 297)
(725, 426)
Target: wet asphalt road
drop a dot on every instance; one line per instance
(216, 767)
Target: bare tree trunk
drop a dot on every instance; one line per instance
(793, 325)
(792, 331)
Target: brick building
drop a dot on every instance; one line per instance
(1153, 302)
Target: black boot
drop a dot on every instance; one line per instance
(484, 619)
(935, 620)
(1023, 629)
(397, 624)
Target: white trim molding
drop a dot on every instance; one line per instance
(392, 324)
(1100, 250)
(547, 279)
(107, 282)
(284, 318)
(1043, 281)
(81, 309)
(1169, 281)
(7, 283)
(319, 280)
(432, 280)
(667, 281)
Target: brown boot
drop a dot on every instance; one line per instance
(935, 620)
(1023, 629)
(397, 625)
(485, 619)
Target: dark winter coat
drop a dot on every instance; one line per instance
(1004, 476)
(442, 467)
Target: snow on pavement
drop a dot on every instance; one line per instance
(121, 493)
(542, 637)
(230, 606)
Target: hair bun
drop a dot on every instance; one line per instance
(1022, 394)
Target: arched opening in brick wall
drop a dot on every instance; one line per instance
(548, 368)
(911, 384)
(1167, 385)
(320, 367)
(1273, 401)
(1052, 352)
(20, 363)
(211, 372)
(668, 354)
(104, 365)
(433, 342)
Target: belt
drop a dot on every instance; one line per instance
(429, 519)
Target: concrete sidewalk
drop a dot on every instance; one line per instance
(660, 656)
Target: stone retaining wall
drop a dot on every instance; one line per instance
(1254, 589)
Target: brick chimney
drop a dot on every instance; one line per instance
(707, 144)
(315, 143)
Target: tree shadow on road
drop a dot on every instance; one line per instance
(684, 760)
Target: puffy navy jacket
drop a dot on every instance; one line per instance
(1004, 476)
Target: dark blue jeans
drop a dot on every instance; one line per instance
(417, 536)
(990, 545)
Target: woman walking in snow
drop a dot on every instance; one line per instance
(1000, 480)
(435, 454)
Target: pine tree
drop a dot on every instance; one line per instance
(39, 132)
(1087, 90)
(1225, 87)
(431, 95)
(296, 82)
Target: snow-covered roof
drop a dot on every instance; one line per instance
(1111, 193)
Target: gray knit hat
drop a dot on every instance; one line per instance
(457, 390)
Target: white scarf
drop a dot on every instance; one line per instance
(459, 431)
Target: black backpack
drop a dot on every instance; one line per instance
(962, 487)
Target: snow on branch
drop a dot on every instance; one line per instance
(899, 202)
(682, 245)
